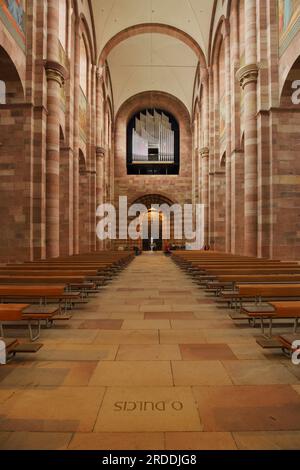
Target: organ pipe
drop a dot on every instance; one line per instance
(153, 138)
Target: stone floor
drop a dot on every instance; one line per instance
(151, 363)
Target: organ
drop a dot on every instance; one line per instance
(153, 138)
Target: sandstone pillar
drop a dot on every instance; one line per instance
(204, 153)
(55, 80)
(248, 80)
(228, 139)
(100, 154)
(76, 138)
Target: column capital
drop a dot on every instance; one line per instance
(247, 74)
(55, 72)
(204, 152)
(100, 152)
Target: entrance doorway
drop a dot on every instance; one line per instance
(157, 242)
(153, 243)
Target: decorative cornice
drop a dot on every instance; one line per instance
(100, 152)
(55, 72)
(247, 74)
(204, 152)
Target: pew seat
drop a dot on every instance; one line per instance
(287, 343)
(230, 281)
(40, 293)
(32, 314)
(273, 311)
(13, 347)
(257, 292)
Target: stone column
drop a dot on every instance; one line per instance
(100, 154)
(248, 76)
(228, 138)
(99, 107)
(211, 162)
(199, 177)
(93, 146)
(204, 153)
(100, 151)
(195, 176)
(237, 157)
(55, 80)
(76, 138)
(194, 150)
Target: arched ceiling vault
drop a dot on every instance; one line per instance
(153, 60)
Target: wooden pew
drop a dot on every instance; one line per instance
(273, 311)
(268, 290)
(232, 279)
(30, 314)
(63, 269)
(13, 347)
(41, 293)
(214, 273)
(73, 284)
(287, 343)
(194, 263)
(262, 291)
(258, 270)
(215, 266)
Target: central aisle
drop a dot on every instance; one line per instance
(150, 363)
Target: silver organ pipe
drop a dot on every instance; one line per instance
(153, 138)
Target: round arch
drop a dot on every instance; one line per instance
(85, 28)
(150, 99)
(287, 86)
(221, 31)
(10, 76)
(158, 28)
(150, 199)
(8, 54)
(142, 100)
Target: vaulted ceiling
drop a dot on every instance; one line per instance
(153, 61)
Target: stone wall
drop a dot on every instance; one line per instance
(47, 201)
(177, 188)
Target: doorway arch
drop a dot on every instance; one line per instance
(158, 241)
(15, 184)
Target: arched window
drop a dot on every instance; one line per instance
(63, 23)
(83, 67)
(153, 143)
(2, 92)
